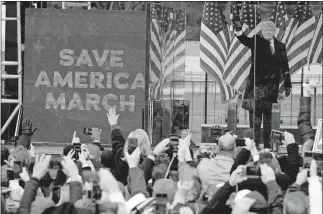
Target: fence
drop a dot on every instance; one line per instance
(208, 106)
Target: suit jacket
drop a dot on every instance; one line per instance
(267, 69)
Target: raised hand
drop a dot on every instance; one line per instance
(237, 23)
(238, 175)
(10, 163)
(112, 116)
(70, 168)
(161, 146)
(96, 134)
(41, 166)
(27, 126)
(134, 158)
(75, 139)
(311, 85)
(301, 177)
(249, 144)
(24, 175)
(288, 138)
(267, 173)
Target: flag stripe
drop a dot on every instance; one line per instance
(315, 52)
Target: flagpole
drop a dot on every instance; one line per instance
(205, 100)
(302, 82)
(254, 77)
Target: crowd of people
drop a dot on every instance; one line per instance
(133, 177)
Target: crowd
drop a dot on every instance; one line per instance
(136, 178)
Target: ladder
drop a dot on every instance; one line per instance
(17, 76)
(66, 4)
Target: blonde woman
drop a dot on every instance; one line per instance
(137, 138)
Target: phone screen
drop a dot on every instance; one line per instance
(252, 172)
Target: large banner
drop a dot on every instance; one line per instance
(78, 64)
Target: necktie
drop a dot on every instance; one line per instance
(272, 49)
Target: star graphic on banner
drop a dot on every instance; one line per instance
(38, 48)
(64, 34)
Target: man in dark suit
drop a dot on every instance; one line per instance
(269, 64)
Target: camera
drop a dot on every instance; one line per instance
(240, 142)
(87, 131)
(77, 149)
(276, 138)
(173, 142)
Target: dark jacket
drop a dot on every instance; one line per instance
(291, 162)
(217, 203)
(304, 120)
(120, 167)
(266, 68)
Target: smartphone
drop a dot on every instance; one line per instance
(56, 196)
(77, 149)
(252, 172)
(240, 142)
(87, 131)
(161, 200)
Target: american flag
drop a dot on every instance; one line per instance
(176, 59)
(298, 52)
(167, 46)
(279, 16)
(315, 53)
(155, 47)
(214, 46)
(238, 64)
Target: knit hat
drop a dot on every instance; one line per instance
(94, 152)
(165, 186)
